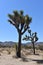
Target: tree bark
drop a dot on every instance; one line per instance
(33, 48)
(19, 47)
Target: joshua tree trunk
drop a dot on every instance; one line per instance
(19, 46)
(33, 48)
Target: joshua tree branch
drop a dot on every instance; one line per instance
(14, 25)
(24, 30)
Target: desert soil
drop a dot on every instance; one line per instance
(8, 57)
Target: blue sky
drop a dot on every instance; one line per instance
(33, 8)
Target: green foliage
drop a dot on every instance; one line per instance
(19, 20)
(21, 12)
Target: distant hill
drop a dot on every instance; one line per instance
(37, 43)
(7, 43)
(11, 43)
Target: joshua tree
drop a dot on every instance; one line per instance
(32, 37)
(21, 23)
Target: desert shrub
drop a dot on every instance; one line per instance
(22, 46)
(15, 46)
(28, 47)
(36, 48)
(0, 54)
(9, 52)
(40, 47)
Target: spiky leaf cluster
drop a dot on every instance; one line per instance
(20, 21)
(31, 37)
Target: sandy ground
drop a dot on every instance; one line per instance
(7, 57)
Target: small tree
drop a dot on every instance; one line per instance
(32, 37)
(21, 23)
